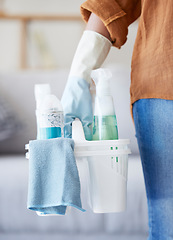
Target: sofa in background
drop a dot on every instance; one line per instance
(18, 223)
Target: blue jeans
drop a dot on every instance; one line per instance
(153, 120)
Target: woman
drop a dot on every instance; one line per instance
(151, 90)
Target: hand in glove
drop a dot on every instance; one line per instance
(76, 100)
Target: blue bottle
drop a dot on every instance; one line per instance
(50, 118)
(49, 114)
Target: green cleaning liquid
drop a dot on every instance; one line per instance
(105, 128)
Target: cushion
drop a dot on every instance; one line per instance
(9, 124)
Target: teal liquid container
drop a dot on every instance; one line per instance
(104, 121)
(50, 118)
(105, 128)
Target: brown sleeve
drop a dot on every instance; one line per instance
(116, 15)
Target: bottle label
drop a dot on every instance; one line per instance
(51, 119)
(50, 125)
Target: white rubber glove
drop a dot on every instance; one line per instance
(76, 100)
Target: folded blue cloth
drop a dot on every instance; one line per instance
(53, 176)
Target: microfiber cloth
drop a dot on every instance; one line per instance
(53, 176)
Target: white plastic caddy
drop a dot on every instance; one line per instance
(107, 170)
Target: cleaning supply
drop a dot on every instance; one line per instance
(50, 119)
(54, 183)
(104, 122)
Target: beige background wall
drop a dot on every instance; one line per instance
(60, 38)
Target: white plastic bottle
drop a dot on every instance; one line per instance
(49, 113)
(104, 122)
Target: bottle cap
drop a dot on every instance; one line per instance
(50, 103)
(41, 90)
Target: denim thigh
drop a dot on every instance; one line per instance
(153, 120)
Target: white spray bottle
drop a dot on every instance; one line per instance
(104, 122)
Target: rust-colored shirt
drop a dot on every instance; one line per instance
(152, 61)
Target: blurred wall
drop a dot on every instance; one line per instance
(60, 38)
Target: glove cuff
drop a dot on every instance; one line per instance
(91, 52)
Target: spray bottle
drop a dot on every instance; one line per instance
(104, 122)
